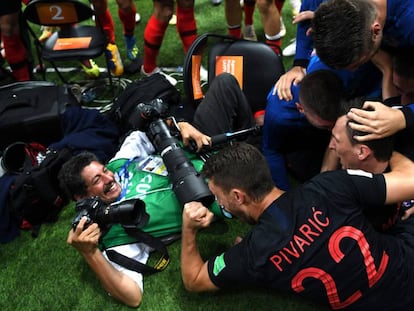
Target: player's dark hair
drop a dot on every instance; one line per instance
(322, 92)
(341, 31)
(240, 165)
(382, 148)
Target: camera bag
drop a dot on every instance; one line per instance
(35, 196)
(31, 111)
(123, 111)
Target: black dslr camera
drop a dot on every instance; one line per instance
(127, 213)
(188, 185)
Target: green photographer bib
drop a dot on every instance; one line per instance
(148, 180)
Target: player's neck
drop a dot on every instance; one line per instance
(271, 197)
(374, 166)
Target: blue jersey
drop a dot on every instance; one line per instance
(398, 29)
(304, 43)
(399, 24)
(283, 119)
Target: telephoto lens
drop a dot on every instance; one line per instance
(188, 184)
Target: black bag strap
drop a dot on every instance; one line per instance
(135, 265)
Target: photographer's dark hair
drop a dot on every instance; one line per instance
(321, 92)
(381, 148)
(240, 165)
(70, 179)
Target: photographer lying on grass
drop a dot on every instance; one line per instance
(136, 172)
(314, 241)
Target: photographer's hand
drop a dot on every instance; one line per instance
(118, 284)
(85, 241)
(190, 132)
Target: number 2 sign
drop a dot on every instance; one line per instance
(57, 13)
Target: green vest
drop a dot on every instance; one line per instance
(147, 181)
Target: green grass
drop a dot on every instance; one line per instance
(209, 19)
(47, 274)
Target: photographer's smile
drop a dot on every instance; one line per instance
(110, 187)
(101, 182)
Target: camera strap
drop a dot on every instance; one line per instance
(135, 265)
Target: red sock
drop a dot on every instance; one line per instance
(16, 56)
(248, 8)
(153, 36)
(108, 25)
(186, 26)
(128, 20)
(235, 31)
(275, 45)
(279, 4)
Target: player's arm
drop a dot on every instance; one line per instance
(194, 270)
(400, 181)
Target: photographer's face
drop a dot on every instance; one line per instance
(100, 182)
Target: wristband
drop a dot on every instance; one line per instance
(409, 116)
(259, 113)
(301, 63)
(393, 101)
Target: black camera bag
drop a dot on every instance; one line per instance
(35, 196)
(123, 111)
(31, 111)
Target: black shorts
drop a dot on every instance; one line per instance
(10, 6)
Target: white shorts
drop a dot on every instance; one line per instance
(136, 251)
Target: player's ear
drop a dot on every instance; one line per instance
(299, 107)
(238, 196)
(363, 152)
(376, 31)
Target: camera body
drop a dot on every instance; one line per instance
(187, 183)
(127, 213)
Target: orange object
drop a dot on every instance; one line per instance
(232, 65)
(72, 43)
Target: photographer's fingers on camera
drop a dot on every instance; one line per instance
(83, 238)
(74, 233)
(196, 215)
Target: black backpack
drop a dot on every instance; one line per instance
(124, 109)
(32, 111)
(35, 196)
